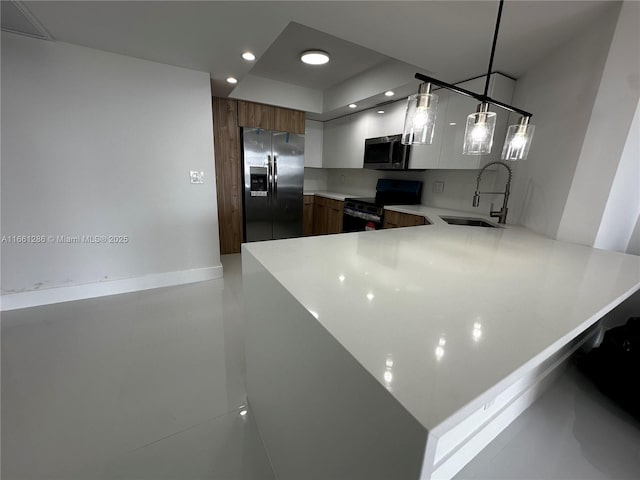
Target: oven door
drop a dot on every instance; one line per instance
(358, 221)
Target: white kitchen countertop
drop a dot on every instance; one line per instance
(332, 195)
(440, 314)
(433, 214)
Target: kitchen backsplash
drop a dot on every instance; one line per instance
(457, 193)
(315, 179)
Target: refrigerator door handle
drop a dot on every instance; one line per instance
(275, 177)
(269, 179)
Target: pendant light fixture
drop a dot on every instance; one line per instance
(518, 140)
(421, 117)
(478, 134)
(480, 126)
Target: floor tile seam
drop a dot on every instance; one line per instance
(183, 430)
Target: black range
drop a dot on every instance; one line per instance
(368, 213)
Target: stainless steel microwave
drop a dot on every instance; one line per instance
(386, 153)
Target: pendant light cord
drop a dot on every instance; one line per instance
(493, 48)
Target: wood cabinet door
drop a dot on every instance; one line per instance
(335, 210)
(397, 219)
(258, 115)
(255, 115)
(319, 216)
(307, 216)
(286, 120)
(415, 220)
(391, 219)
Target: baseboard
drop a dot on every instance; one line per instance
(34, 298)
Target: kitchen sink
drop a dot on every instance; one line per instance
(469, 222)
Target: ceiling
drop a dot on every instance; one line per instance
(451, 39)
(280, 61)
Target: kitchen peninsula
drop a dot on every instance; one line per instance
(401, 353)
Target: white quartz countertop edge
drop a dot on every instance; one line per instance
(433, 214)
(333, 195)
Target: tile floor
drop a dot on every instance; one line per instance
(144, 385)
(147, 385)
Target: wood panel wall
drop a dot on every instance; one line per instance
(228, 160)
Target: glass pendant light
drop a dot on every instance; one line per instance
(478, 138)
(420, 119)
(518, 140)
(478, 135)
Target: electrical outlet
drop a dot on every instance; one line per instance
(342, 179)
(438, 187)
(196, 177)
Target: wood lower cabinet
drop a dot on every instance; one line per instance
(307, 216)
(327, 216)
(394, 219)
(335, 209)
(319, 216)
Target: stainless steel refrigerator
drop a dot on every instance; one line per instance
(273, 178)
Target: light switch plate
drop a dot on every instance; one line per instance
(196, 177)
(438, 187)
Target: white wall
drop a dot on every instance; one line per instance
(634, 241)
(623, 206)
(609, 128)
(95, 143)
(560, 92)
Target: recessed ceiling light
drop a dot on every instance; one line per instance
(250, 57)
(314, 57)
(389, 93)
(381, 111)
(352, 105)
(232, 80)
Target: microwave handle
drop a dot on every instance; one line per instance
(391, 149)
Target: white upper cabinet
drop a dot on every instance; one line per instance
(390, 122)
(343, 142)
(454, 122)
(313, 143)
(359, 128)
(428, 156)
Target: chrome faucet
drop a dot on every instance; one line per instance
(501, 214)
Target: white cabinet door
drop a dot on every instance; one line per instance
(390, 122)
(428, 156)
(343, 142)
(313, 131)
(359, 128)
(454, 121)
